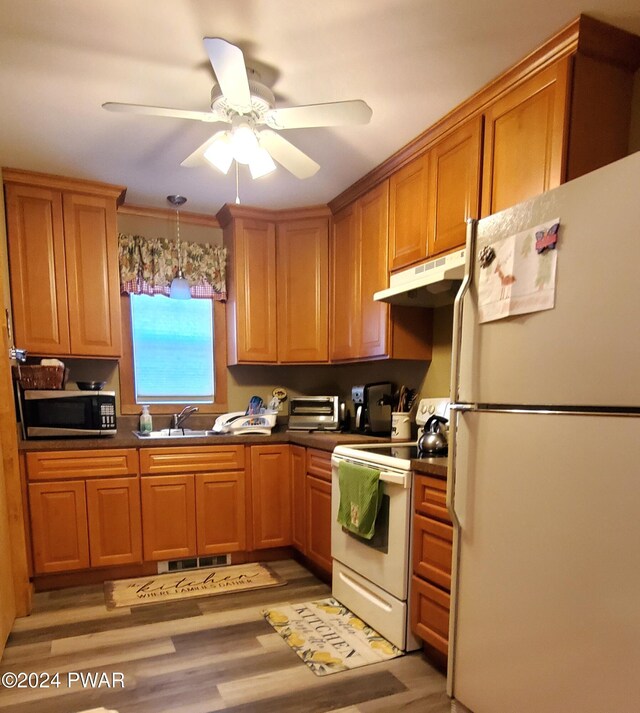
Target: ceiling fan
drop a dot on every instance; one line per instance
(241, 100)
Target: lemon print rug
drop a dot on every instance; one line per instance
(328, 637)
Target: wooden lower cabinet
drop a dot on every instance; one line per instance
(298, 506)
(220, 513)
(311, 505)
(168, 516)
(432, 561)
(85, 509)
(115, 530)
(59, 526)
(430, 614)
(319, 522)
(270, 483)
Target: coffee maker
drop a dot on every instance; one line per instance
(372, 404)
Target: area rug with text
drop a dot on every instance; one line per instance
(328, 637)
(189, 583)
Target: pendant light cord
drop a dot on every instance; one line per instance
(237, 186)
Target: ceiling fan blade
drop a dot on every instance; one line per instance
(344, 113)
(208, 116)
(227, 61)
(288, 155)
(197, 157)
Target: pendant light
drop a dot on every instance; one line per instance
(179, 289)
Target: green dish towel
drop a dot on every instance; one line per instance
(360, 498)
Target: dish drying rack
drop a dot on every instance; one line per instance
(238, 423)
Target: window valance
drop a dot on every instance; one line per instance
(147, 266)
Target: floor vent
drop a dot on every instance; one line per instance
(193, 563)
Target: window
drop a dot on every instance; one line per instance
(173, 350)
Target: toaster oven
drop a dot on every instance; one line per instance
(315, 413)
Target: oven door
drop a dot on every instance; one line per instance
(383, 560)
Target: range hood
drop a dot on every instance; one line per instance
(431, 284)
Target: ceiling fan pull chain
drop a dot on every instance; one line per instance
(237, 189)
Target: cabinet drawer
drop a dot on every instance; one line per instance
(432, 550)
(201, 459)
(319, 463)
(52, 465)
(431, 497)
(430, 614)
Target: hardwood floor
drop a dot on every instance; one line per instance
(197, 656)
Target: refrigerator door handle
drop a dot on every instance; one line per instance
(456, 345)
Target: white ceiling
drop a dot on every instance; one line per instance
(410, 60)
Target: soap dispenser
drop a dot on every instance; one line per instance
(145, 420)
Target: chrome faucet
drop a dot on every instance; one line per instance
(179, 418)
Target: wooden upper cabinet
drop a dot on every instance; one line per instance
(92, 274)
(524, 139)
(252, 325)
(359, 326)
(373, 217)
(277, 284)
(302, 258)
(63, 258)
(345, 284)
(454, 186)
(408, 219)
(37, 266)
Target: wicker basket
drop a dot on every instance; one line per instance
(41, 377)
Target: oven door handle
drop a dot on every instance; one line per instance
(395, 478)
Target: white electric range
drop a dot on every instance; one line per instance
(371, 577)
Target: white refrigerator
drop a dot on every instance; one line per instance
(544, 482)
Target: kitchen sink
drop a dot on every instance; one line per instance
(175, 433)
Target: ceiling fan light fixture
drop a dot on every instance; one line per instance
(261, 163)
(220, 153)
(244, 143)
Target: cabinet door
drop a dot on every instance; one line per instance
(373, 220)
(303, 290)
(37, 264)
(524, 140)
(454, 186)
(408, 218)
(92, 274)
(345, 285)
(432, 550)
(220, 513)
(254, 264)
(319, 522)
(298, 499)
(168, 516)
(59, 530)
(115, 527)
(270, 496)
(430, 614)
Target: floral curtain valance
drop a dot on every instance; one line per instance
(147, 266)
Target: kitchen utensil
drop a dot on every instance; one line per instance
(432, 440)
(91, 385)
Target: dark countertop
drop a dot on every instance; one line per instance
(325, 441)
(430, 466)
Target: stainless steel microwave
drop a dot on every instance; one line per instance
(56, 413)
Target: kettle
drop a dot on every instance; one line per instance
(432, 440)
